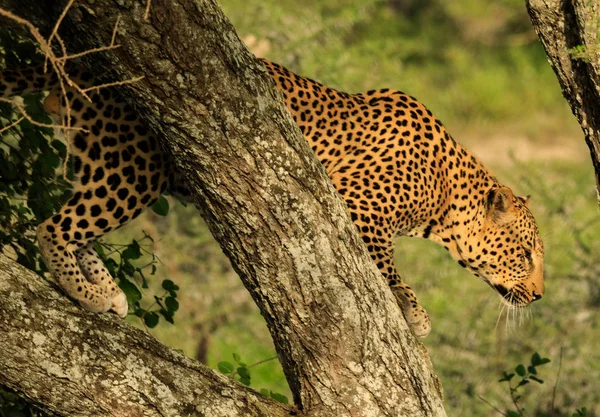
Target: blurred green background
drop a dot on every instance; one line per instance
(478, 66)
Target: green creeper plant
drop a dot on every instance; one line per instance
(521, 377)
(527, 375)
(239, 371)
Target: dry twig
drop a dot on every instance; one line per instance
(147, 12)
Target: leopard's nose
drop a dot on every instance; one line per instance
(536, 296)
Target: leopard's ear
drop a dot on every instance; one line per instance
(501, 205)
(525, 200)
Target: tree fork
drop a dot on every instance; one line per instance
(343, 343)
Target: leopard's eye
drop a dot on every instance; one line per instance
(527, 254)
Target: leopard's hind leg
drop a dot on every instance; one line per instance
(59, 253)
(65, 241)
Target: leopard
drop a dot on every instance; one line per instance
(392, 161)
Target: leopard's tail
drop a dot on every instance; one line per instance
(26, 80)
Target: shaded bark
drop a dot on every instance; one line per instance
(343, 343)
(570, 33)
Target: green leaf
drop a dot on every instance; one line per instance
(544, 361)
(133, 251)
(161, 207)
(167, 315)
(60, 147)
(536, 379)
(131, 291)
(111, 265)
(264, 392)
(245, 381)
(144, 280)
(535, 359)
(172, 304)
(127, 268)
(168, 285)
(151, 319)
(531, 370)
(236, 357)
(511, 413)
(506, 377)
(520, 370)
(279, 398)
(99, 249)
(225, 367)
(243, 372)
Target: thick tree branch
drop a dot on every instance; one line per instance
(569, 31)
(74, 363)
(342, 340)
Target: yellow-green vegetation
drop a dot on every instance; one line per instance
(478, 65)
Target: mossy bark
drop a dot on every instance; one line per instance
(343, 343)
(570, 34)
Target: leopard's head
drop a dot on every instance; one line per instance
(507, 251)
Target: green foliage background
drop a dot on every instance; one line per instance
(478, 66)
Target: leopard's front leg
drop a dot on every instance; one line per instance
(415, 315)
(381, 248)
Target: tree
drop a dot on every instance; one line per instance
(342, 341)
(570, 34)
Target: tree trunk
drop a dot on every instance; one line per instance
(343, 343)
(570, 33)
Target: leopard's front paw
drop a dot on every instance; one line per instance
(119, 303)
(418, 320)
(415, 315)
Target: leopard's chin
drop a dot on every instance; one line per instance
(512, 298)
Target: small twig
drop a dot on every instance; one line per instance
(63, 46)
(112, 45)
(557, 377)
(30, 120)
(491, 405)
(84, 53)
(114, 34)
(113, 84)
(147, 265)
(13, 124)
(147, 12)
(263, 361)
(59, 21)
(34, 31)
(514, 400)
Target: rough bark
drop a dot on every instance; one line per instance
(74, 363)
(570, 33)
(342, 340)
